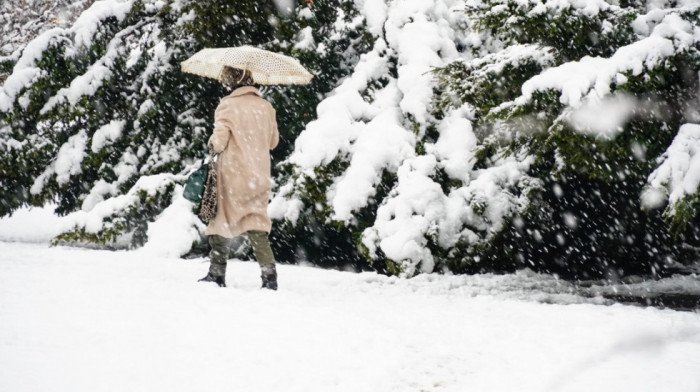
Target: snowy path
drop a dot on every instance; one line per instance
(80, 320)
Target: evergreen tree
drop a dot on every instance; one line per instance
(504, 160)
(530, 143)
(23, 20)
(602, 63)
(387, 168)
(98, 118)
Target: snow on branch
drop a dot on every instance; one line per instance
(88, 83)
(368, 120)
(78, 36)
(593, 76)
(678, 175)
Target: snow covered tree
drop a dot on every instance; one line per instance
(382, 164)
(438, 135)
(98, 119)
(594, 93)
(530, 147)
(23, 20)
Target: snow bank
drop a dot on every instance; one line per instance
(172, 234)
(33, 225)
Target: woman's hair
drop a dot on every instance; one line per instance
(234, 78)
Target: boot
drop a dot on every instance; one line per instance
(220, 280)
(269, 277)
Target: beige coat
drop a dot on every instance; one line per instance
(245, 130)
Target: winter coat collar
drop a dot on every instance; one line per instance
(244, 90)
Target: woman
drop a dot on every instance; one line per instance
(245, 130)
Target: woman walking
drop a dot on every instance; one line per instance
(245, 130)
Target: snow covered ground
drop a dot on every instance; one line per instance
(87, 320)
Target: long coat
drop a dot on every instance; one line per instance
(245, 130)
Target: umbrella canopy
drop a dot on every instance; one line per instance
(265, 67)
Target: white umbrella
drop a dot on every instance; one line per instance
(265, 67)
